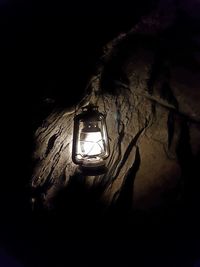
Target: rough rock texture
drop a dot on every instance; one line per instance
(148, 83)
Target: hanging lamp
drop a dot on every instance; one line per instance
(90, 138)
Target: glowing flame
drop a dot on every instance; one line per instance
(91, 144)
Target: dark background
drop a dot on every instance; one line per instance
(48, 52)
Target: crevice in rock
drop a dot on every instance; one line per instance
(167, 94)
(153, 109)
(154, 72)
(38, 194)
(170, 127)
(127, 152)
(44, 131)
(120, 129)
(185, 158)
(125, 195)
(51, 143)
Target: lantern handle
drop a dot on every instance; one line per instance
(97, 95)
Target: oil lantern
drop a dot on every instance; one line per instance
(90, 138)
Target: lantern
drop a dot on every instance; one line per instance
(90, 139)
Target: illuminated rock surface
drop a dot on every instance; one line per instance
(148, 82)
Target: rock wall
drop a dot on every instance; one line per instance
(147, 80)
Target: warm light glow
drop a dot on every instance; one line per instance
(91, 143)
